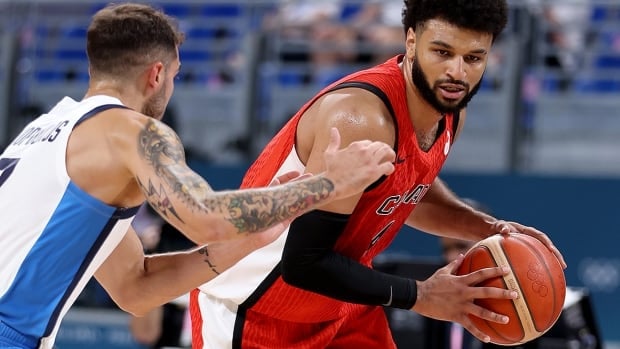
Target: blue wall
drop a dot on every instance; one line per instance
(579, 214)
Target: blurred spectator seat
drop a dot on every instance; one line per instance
(213, 89)
(607, 60)
(213, 94)
(177, 10)
(223, 10)
(575, 111)
(576, 129)
(596, 85)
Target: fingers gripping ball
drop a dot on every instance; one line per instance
(537, 276)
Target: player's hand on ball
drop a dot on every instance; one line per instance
(505, 227)
(448, 297)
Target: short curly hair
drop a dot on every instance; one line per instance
(122, 37)
(486, 16)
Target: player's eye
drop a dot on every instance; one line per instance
(472, 59)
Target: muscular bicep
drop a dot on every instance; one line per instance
(358, 115)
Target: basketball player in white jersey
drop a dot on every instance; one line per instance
(72, 180)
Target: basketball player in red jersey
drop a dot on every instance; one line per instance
(314, 287)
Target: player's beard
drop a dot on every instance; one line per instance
(430, 94)
(155, 106)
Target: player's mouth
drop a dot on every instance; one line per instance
(452, 91)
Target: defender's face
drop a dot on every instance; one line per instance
(447, 63)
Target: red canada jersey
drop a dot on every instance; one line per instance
(382, 209)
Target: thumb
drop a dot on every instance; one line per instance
(456, 263)
(334, 140)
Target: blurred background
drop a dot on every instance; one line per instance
(541, 144)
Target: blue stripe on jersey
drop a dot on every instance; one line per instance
(57, 261)
(96, 111)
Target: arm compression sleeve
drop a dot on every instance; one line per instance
(309, 262)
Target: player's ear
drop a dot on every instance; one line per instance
(410, 42)
(155, 75)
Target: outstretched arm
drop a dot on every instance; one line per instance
(187, 202)
(139, 283)
(442, 213)
(455, 214)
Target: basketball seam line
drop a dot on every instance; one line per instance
(525, 317)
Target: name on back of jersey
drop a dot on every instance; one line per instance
(37, 134)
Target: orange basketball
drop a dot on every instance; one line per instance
(537, 276)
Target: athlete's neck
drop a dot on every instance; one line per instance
(126, 94)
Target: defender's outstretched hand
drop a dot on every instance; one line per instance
(449, 297)
(354, 168)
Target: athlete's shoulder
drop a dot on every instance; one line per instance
(357, 113)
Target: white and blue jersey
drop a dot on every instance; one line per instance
(53, 235)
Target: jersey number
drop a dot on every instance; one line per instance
(7, 165)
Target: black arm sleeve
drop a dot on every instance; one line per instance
(309, 262)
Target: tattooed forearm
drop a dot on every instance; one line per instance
(247, 210)
(257, 210)
(204, 251)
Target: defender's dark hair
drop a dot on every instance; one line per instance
(486, 16)
(123, 37)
